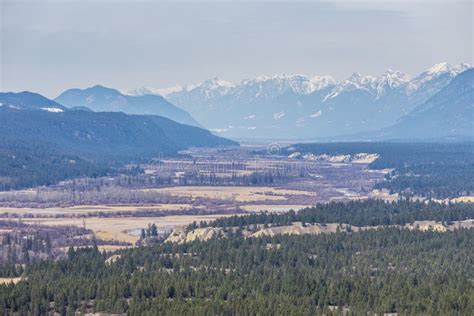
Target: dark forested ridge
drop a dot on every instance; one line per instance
(101, 134)
(26, 163)
(440, 170)
(379, 271)
(38, 147)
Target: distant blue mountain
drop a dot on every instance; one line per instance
(103, 99)
(449, 113)
(29, 101)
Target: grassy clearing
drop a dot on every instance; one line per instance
(118, 228)
(239, 194)
(87, 209)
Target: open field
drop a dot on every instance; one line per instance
(272, 207)
(121, 228)
(88, 209)
(233, 193)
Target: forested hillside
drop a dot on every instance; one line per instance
(357, 213)
(26, 163)
(382, 271)
(438, 170)
(40, 147)
(105, 133)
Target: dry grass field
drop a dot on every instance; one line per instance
(120, 228)
(87, 209)
(236, 193)
(271, 208)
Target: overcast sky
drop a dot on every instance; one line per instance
(49, 47)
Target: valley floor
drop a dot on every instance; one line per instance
(202, 185)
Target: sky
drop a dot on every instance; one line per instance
(50, 46)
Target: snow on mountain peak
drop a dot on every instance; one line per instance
(434, 72)
(359, 80)
(213, 87)
(272, 86)
(355, 82)
(155, 91)
(321, 82)
(269, 87)
(393, 78)
(215, 83)
(446, 67)
(390, 79)
(437, 68)
(377, 86)
(442, 68)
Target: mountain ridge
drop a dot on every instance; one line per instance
(27, 100)
(99, 98)
(450, 112)
(97, 134)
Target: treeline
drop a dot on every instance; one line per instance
(431, 180)
(94, 195)
(357, 213)
(22, 243)
(268, 177)
(376, 271)
(18, 248)
(438, 170)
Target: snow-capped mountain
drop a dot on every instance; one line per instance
(443, 70)
(428, 83)
(355, 82)
(212, 88)
(275, 86)
(449, 113)
(300, 106)
(154, 91)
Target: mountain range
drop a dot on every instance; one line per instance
(100, 98)
(303, 107)
(437, 103)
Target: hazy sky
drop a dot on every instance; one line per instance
(51, 46)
